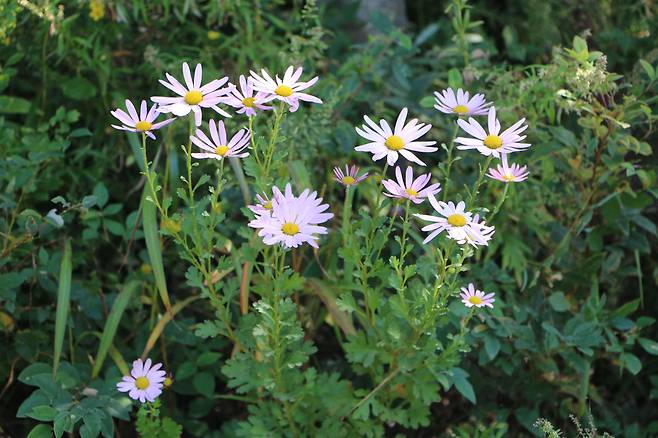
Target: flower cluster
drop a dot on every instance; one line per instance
(404, 140)
(193, 96)
(288, 220)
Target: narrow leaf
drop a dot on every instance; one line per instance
(63, 304)
(152, 238)
(111, 326)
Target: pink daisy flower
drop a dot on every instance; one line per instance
(473, 297)
(263, 205)
(409, 188)
(460, 225)
(287, 89)
(145, 381)
(492, 142)
(294, 220)
(475, 233)
(449, 103)
(244, 99)
(350, 177)
(402, 140)
(507, 173)
(218, 148)
(142, 122)
(193, 96)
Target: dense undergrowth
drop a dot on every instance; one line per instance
(103, 262)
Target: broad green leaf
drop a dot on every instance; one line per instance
(649, 345)
(14, 105)
(631, 362)
(41, 431)
(559, 302)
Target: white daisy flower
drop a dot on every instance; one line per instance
(218, 146)
(408, 188)
(144, 382)
(457, 222)
(475, 233)
(193, 96)
(460, 104)
(142, 122)
(244, 99)
(294, 220)
(474, 297)
(388, 143)
(508, 173)
(493, 142)
(287, 89)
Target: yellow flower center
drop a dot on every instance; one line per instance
(267, 205)
(290, 228)
(143, 125)
(493, 141)
(193, 97)
(348, 180)
(142, 383)
(460, 109)
(394, 143)
(475, 300)
(248, 102)
(456, 220)
(283, 90)
(412, 192)
(508, 177)
(221, 150)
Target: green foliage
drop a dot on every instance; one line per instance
(150, 425)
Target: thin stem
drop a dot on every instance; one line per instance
(188, 157)
(500, 202)
(346, 229)
(583, 390)
(275, 133)
(149, 179)
(405, 228)
(379, 190)
(478, 183)
(382, 384)
(451, 146)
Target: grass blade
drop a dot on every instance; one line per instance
(152, 238)
(63, 303)
(162, 323)
(111, 326)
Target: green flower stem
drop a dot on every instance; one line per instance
(347, 213)
(381, 385)
(149, 178)
(478, 182)
(214, 198)
(500, 202)
(346, 228)
(405, 229)
(278, 261)
(279, 112)
(583, 390)
(449, 161)
(190, 189)
(380, 188)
